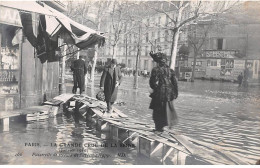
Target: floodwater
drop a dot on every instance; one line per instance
(217, 113)
(58, 140)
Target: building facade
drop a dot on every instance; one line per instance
(228, 50)
(153, 38)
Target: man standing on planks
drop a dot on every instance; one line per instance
(79, 69)
(110, 80)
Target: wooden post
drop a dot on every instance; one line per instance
(145, 146)
(63, 68)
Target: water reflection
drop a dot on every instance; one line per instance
(61, 141)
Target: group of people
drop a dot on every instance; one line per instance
(162, 81)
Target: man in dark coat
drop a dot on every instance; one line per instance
(110, 80)
(240, 79)
(165, 90)
(79, 71)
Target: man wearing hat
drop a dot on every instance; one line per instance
(110, 80)
(165, 90)
(79, 69)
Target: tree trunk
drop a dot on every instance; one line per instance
(137, 60)
(175, 40)
(94, 67)
(114, 51)
(174, 48)
(63, 86)
(126, 62)
(136, 70)
(193, 66)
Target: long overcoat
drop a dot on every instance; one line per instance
(108, 81)
(162, 97)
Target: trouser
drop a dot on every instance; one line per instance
(109, 106)
(79, 81)
(75, 84)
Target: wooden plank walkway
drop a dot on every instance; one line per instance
(170, 146)
(169, 139)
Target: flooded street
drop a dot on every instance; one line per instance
(221, 114)
(217, 113)
(58, 140)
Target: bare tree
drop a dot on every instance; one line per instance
(90, 13)
(198, 36)
(139, 28)
(185, 12)
(121, 22)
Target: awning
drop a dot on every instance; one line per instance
(28, 6)
(80, 35)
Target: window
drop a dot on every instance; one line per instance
(146, 38)
(148, 22)
(198, 63)
(158, 37)
(130, 63)
(146, 51)
(152, 34)
(212, 62)
(146, 64)
(256, 66)
(130, 50)
(167, 20)
(166, 34)
(220, 44)
(130, 38)
(9, 60)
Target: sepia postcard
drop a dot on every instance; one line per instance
(130, 82)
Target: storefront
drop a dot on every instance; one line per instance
(10, 51)
(29, 70)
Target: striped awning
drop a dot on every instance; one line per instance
(26, 6)
(75, 33)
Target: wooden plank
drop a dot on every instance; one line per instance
(181, 158)
(53, 102)
(64, 97)
(96, 111)
(199, 151)
(119, 113)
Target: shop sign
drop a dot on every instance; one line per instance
(239, 64)
(10, 16)
(219, 54)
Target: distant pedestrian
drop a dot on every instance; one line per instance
(110, 80)
(240, 79)
(165, 90)
(245, 78)
(79, 69)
